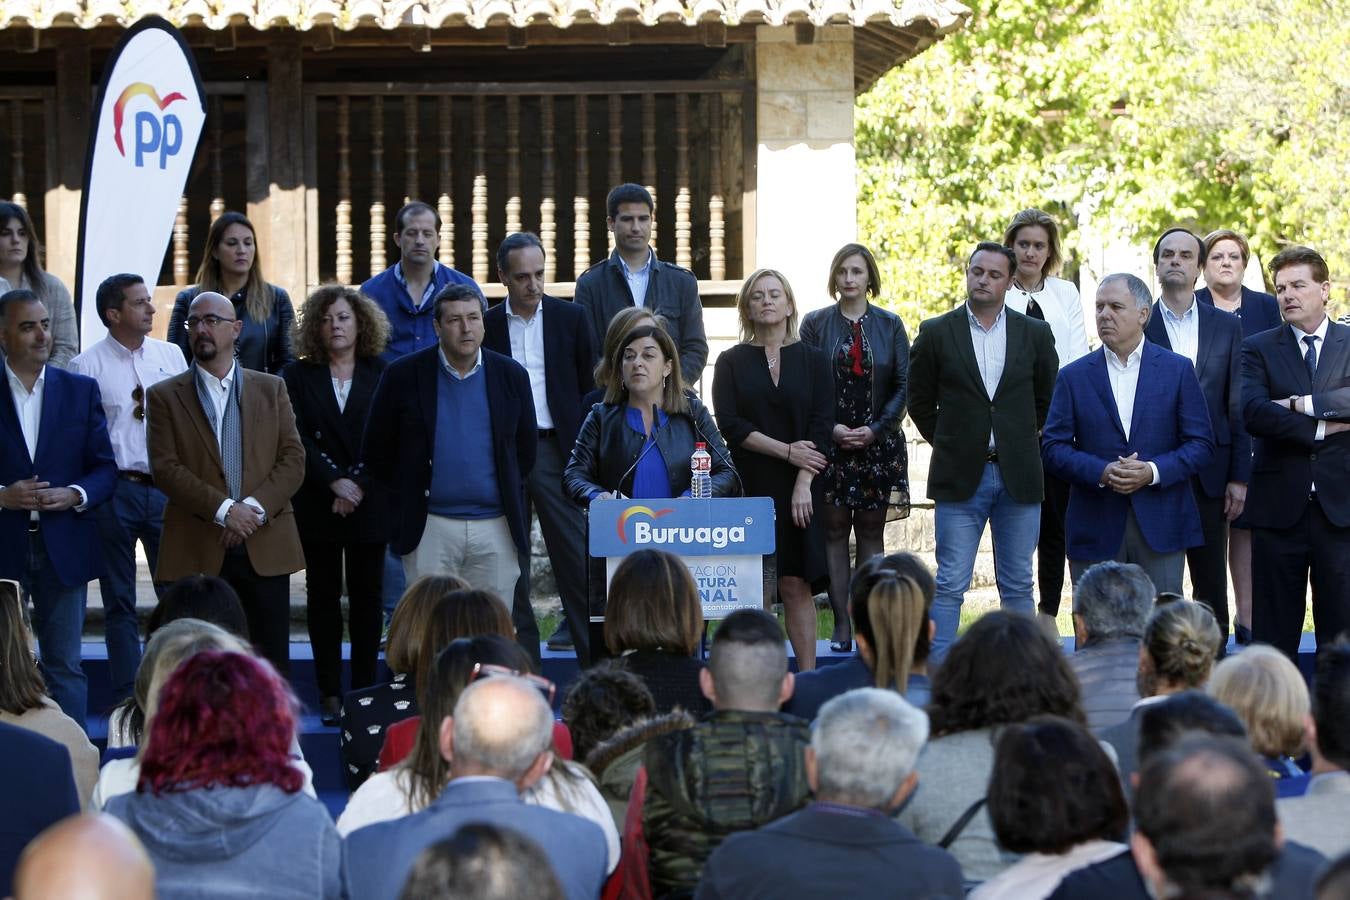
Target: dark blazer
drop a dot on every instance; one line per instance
(827, 329)
(569, 358)
(1288, 459)
(38, 791)
(376, 859)
(261, 346)
(401, 431)
(672, 292)
(949, 406)
(804, 854)
(607, 451)
(1218, 365)
(1259, 311)
(1292, 877)
(1169, 428)
(72, 448)
(332, 441)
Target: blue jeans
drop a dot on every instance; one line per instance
(958, 527)
(135, 513)
(58, 619)
(395, 583)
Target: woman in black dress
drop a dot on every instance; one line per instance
(774, 402)
(868, 482)
(341, 512)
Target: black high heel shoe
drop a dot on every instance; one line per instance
(841, 646)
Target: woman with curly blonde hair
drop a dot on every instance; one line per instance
(340, 510)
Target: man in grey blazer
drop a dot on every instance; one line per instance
(498, 744)
(1318, 818)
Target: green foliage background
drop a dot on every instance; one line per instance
(1207, 113)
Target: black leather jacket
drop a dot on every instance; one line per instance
(606, 450)
(262, 346)
(825, 329)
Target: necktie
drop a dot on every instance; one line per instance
(1310, 358)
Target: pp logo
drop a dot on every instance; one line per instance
(159, 132)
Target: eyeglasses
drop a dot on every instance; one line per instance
(210, 321)
(489, 670)
(138, 396)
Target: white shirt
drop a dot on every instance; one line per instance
(1124, 378)
(218, 389)
(119, 372)
(1183, 331)
(1063, 310)
(991, 352)
(28, 406)
(638, 279)
(1036, 875)
(527, 348)
(454, 373)
(1304, 404)
(341, 391)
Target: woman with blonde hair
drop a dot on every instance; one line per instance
(1269, 695)
(775, 409)
(231, 267)
(867, 350)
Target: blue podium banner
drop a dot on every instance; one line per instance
(722, 526)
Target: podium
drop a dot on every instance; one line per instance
(728, 543)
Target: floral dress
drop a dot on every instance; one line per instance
(877, 475)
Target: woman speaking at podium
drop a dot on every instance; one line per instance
(638, 442)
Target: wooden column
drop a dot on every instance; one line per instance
(683, 256)
(445, 203)
(411, 187)
(581, 203)
(649, 157)
(717, 232)
(343, 212)
(62, 207)
(513, 202)
(16, 174)
(548, 225)
(217, 168)
(285, 244)
(615, 149)
(377, 229)
(180, 244)
(480, 190)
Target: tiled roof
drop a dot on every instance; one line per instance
(931, 17)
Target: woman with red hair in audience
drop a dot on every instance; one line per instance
(218, 805)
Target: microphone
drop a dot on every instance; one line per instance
(657, 425)
(722, 456)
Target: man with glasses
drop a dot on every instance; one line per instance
(126, 364)
(225, 451)
(56, 465)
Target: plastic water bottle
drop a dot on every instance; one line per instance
(700, 472)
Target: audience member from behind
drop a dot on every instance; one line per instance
(861, 767)
(1002, 671)
(1053, 796)
(1162, 725)
(1111, 603)
(204, 597)
(889, 600)
(740, 768)
(1269, 695)
(653, 621)
(1205, 819)
(368, 712)
(91, 857)
(1320, 817)
(37, 790)
(602, 701)
(1181, 642)
(483, 862)
(498, 744)
(219, 804)
(24, 700)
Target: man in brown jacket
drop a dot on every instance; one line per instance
(225, 452)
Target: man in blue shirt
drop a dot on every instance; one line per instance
(406, 290)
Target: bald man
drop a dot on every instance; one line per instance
(225, 451)
(498, 744)
(90, 857)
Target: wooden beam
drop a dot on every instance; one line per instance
(74, 95)
(256, 185)
(534, 88)
(286, 166)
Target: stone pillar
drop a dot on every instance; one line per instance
(806, 199)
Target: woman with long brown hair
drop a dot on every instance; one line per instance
(231, 266)
(21, 267)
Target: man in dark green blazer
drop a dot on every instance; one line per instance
(980, 379)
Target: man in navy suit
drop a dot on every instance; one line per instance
(38, 791)
(56, 465)
(1128, 429)
(1212, 340)
(1299, 502)
(452, 435)
(498, 743)
(861, 768)
(552, 340)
